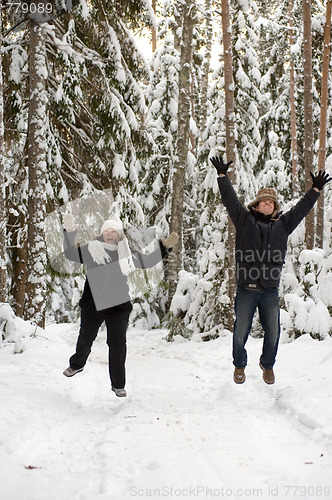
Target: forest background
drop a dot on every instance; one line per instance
(84, 113)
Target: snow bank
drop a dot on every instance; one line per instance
(183, 296)
(72, 439)
(14, 329)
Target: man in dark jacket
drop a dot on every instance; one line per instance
(261, 242)
(106, 297)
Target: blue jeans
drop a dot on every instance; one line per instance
(246, 302)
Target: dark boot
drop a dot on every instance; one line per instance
(70, 372)
(121, 393)
(268, 375)
(239, 376)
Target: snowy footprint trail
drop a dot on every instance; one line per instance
(184, 431)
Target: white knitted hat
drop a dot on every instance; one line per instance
(99, 255)
(112, 224)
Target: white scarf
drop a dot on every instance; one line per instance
(97, 250)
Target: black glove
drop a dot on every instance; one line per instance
(319, 181)
(220, 165)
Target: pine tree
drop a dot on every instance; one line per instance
(155, 187)
(275, 159)
(16, 118)
(95, 120)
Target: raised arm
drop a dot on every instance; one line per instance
(71, 251)
(293, 217)
(145, 261)
(234, 207)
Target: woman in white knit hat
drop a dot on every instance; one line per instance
(108, 260)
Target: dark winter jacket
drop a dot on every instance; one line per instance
(106, 286)
(261, 242)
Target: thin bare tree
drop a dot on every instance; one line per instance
(295, 175)
(323, 122)
(308, 116)
(3, 267)
(153, 29)
(206, 64)
(185, 20)
(230, 138)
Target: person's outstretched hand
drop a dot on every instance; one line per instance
(319, 180)
(220, 166)
(68, 222)
(171, 240)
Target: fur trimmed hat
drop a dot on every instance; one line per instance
(267, 194)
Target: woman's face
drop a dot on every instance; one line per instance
(110, 236)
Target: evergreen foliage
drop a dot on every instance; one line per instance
(112, 124)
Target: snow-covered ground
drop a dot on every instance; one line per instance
(184, 431)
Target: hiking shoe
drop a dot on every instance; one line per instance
(268, 375)
(121, 393)
(239, 376)
(70, 372)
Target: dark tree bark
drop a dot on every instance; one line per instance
(186, 22)
(19, 263)
(36, 269)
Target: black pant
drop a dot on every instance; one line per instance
(116, 323)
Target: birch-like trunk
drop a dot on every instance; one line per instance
(153, 30)
(230, 141)
(206, 65)
(308, 116)
(323, 122)
(36, 269)
(186, 24)
(295, 175)
(3, 272)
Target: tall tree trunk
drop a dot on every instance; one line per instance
(295, 175)
(206, 65)
(192, 136)
(308, 116)
(36, 269)
(19, 263)
(186, 9)
(230, 141)
(323, 122)
(3, 273)
(201, 119)
(153, 31)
